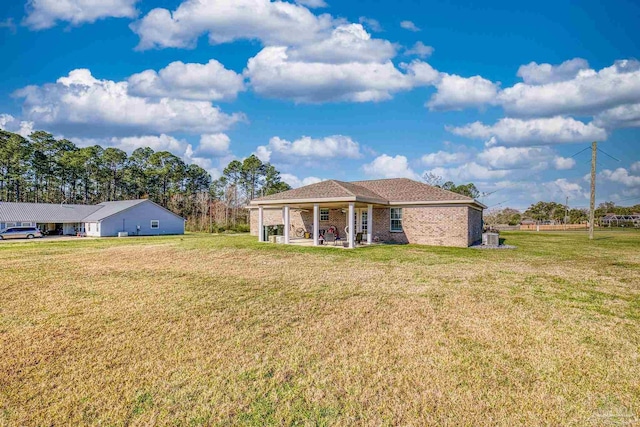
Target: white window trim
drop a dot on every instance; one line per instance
(391, 219)
(327, 210)
(157, 226)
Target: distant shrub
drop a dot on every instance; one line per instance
(243, 228)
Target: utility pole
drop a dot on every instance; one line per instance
(566, 213)
(592, 207)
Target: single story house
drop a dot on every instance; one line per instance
(136, 217)
(398, 210)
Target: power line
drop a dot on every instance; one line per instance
(607, 154)
(580, 152)
(498, 204)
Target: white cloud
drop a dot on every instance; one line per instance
(273, 23)
(312, 3)
(213, 166)
(590, 92)
(535, 74)
(162, 142)
(11, 124)
(157, 143)
(273, 74)
(129, 144)
(611, 94)
(506, 158)
(335, 146)
(80, 104)
(263, 153)
(530, 158)
(43, 14)
(468, 172)
(206, 82)
(420, 49)
(371, 24)
(214, 145)
(347, 44)
(621, 176)
(408, 25)
(296, 182)
(562, 188)
(421, 73)
(563, 163)
(455, 92)
(635, 167)
(441, 158)
(619, 117)
(385, 166)
(518, 132)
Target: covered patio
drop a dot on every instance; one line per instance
(322, 199)
(358, 216)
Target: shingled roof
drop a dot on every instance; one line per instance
(330, 190)
(408, 190)
(383, 191)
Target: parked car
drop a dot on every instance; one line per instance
(20, 233)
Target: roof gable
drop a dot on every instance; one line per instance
(107, 209)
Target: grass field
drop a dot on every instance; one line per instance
(220, 330)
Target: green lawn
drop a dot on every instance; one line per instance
(221, 330)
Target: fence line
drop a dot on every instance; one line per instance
(559, 227)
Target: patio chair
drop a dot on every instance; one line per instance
(330, 237)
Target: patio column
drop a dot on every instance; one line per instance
(316, 223)
(352, 225)
(369, 223)
(287, 224)
(260, 224)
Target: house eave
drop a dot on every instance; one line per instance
(439, 203)
(311, 201)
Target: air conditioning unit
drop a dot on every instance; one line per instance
(123, 234)
(491, 239)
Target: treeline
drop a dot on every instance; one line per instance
(43, 169)
(469, 190)
(551, 211)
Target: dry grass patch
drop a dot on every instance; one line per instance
(214, 330)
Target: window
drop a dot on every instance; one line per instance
(26, 224)
(364, 226)
(396, 219)
(155, 224)
(324, 214)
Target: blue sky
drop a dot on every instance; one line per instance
(484, 92)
